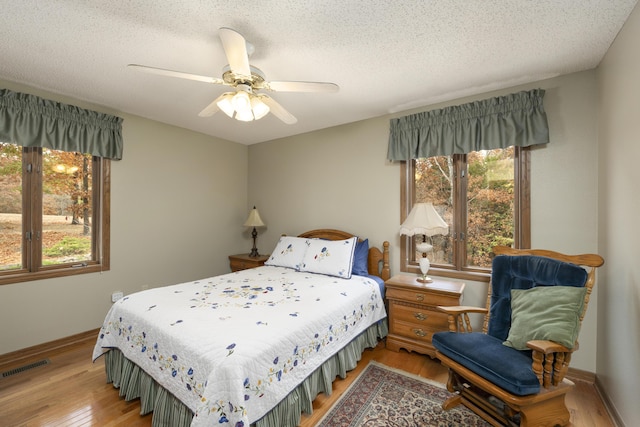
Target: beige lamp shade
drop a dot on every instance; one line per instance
(423, 219)
(254, 219)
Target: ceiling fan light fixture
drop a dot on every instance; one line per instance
(225, 104)
(260, 109)
(241, 101)
(245, 115)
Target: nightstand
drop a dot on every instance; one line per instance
(244, 261)
(413, 313)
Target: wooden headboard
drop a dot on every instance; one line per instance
(378, 260)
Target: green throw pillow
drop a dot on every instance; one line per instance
(545, 313)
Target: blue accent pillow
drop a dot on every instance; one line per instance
(360, 259)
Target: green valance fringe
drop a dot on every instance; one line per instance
(30, 121)
(518, 119)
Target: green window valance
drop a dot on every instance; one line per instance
(31, 121)
(518, 119)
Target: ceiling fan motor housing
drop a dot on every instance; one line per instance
(256, 81)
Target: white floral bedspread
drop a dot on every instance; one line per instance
(231, 347)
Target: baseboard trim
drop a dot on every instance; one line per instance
(590, 377)
(608, 404)
(46, 349)
(580, 375)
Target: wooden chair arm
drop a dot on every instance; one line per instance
(547, 347)
(550, 361)
(459, 309)
(459, 316)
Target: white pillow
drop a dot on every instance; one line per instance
(331, 257)
(288, 252)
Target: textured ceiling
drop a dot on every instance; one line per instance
(386, 56)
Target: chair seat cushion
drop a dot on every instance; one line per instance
(506, 367)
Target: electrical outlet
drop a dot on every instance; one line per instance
(116, 296)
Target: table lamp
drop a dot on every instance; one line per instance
(423, 219)
(254, 221)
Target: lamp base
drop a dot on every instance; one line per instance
(254, 251)
(424, 269)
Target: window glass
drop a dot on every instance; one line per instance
(10, 207)
(490, 204)
(66, 207)
(484, 198)
(434, 177)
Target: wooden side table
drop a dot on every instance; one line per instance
(413, 313)
(244, 261)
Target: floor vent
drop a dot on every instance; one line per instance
(25, 368)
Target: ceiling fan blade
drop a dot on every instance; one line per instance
(178, 74)
(302, 87)
(235, 47)
(212, 108)
(278, 110)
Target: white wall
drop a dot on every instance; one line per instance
(340, 178)
(332, 178)
(564, 195)
(619, 225)
(178, 202)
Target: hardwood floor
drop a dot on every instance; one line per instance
(72, 391)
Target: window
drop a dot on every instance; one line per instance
(482, 195)
(471, 161)
(54, 213)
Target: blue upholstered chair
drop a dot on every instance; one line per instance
(513, 372)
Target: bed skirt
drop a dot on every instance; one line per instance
(168, 411)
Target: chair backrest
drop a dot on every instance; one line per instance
(528, 268)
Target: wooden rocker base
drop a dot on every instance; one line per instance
(501, 408)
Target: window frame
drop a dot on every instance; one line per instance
(32, 199)
(522, 220)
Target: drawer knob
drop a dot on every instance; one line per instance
(419, 297)
(420, 316)
(419, 332)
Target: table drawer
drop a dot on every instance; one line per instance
(413, 331)
(420, 316)
(241, 265)
(419, 296)
(245, 261)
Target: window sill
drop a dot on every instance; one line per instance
(6, 279)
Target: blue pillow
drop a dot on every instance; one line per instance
(361, 258)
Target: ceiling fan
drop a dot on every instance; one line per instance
(246, 103)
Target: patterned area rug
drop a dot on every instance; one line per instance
(386, 397)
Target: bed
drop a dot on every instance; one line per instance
(253, 347)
